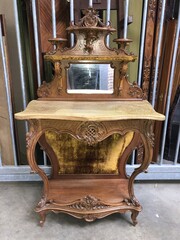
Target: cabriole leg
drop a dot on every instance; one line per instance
(134, 215)
(42, 218)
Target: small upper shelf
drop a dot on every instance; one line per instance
(89, 111)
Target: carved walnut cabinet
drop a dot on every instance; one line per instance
(88, 120)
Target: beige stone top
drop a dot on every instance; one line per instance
(89, 111)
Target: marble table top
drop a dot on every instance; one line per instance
(89, 110)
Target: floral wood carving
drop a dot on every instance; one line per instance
(91, 132)
(89, 203)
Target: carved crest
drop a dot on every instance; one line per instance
(91, 19)
(91, 132)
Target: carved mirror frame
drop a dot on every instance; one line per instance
(90, 47)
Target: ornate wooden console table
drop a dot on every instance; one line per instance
(88, 120)
(89, 196)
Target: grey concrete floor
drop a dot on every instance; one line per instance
(160, 218)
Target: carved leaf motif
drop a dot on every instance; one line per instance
(88, 203)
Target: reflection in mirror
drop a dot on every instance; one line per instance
(90, 78)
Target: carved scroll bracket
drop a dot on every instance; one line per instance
(55, 87)
(135, 91)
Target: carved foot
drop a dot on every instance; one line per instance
(134, 217)
(42, 218)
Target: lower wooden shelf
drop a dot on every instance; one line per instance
(108, 190)
(88, 199)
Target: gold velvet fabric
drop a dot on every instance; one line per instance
(77, 157)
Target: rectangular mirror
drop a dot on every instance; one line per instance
(90, 78)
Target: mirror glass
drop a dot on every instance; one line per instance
(90, 78)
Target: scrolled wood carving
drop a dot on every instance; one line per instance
(42, 202)
(53, 88)
(34, 124)
(135, 91)
(91, 132)
(135, 202)
(131, 202)
(89, 203)
(44, 90)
